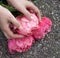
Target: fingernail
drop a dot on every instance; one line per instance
(32, 17)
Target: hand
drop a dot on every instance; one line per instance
(5, 18)
(23, 5)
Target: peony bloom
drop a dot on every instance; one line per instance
(31, 29)
(44, 28)
(20, 45)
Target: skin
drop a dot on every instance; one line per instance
(6, 16)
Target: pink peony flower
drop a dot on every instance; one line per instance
(26, 26)
(20, 45)
(44, 28)
(31, 29)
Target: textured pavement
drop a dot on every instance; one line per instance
(49, 47)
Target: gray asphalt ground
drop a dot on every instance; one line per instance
(49, 47)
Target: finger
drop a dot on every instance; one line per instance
(6, 35)
(10, 33)
(14, 21)
(15, 36)
(35, 10)
(27, 13)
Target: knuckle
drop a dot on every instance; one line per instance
(31, 3)
(37, 10)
